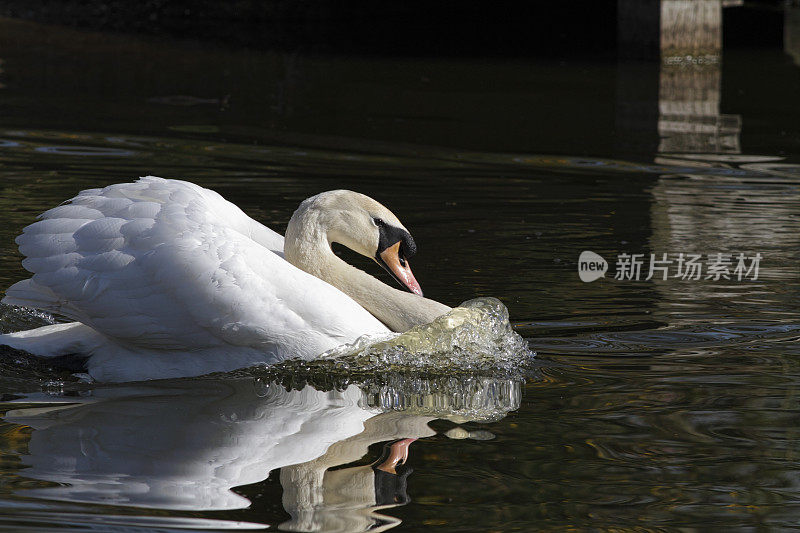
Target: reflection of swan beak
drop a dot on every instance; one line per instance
(398, 455)
(399, 268)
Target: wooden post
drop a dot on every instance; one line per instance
(691, 28)
(667, 28)
(684, 40)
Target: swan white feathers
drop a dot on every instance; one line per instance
(164, 278)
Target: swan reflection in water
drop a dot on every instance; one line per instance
(185, 445)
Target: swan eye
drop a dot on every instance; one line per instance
(378, 221)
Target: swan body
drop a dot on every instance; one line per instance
(164, 278)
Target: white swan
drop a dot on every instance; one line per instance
(164, 278)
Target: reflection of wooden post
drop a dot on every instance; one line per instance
(686, 35)
(688, 111)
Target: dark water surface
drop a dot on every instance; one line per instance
(651, 405)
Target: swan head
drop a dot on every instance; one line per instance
(365, 226)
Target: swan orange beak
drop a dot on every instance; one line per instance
(399, 268)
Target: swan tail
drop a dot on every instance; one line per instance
(54, 340)
(28, 293)
(47, 341)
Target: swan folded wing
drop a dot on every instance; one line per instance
(170, 265)
(251, 297)
(214, 207)
(147, 196)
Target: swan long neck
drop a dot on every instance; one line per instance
(307, 246)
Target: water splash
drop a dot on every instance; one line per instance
(468, 364)
(474, 336)
(13, 318)
(458, 399)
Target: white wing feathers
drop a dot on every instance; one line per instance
(164, 264)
